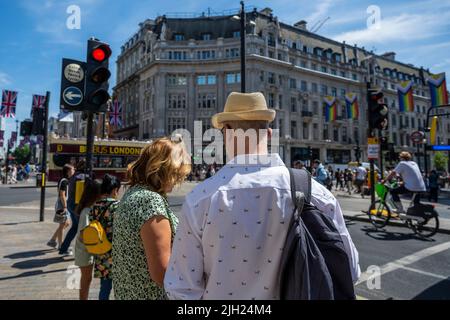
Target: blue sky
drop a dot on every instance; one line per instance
(34, 36)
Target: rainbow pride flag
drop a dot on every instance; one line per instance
(438, 89)
(405, 96)
(351, 101)
(330, 107)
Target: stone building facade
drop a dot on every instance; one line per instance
(175, 71)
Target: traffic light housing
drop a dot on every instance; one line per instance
(97, 76)
(37, 127)
(26, 128)
(384, 145)
(378, 110)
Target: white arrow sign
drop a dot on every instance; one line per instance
(71, 95)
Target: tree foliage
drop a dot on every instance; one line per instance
(22, 154)
(440, 161)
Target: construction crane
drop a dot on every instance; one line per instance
(318, 25)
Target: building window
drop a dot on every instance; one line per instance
(271, 78)
(280, 80)
(206, 101)
(271, 100)
(325, 132)
(271, 54)
(343, 74)
(201, 80)
(280, 127)
(293, 83)
(261, 76)
(303, 64)
(177, 55)
(176, 80)
(177, 101)
(323, 90)
(343, 93)
(333, 72)
(206, 36)
(315, 108)
(323, 69)
(336, 134)
(315, 131)
(233, 78)
(293, 104)
(344, 134)
(236, 34)
(314, 87)
(271, 39)
(334, 92)
(354, 76)
(178, 37)
(305, 105)
(394, 138)
(206, 79)
(280, 101)
(206, 54)
(313, 66)
(294, 129)
(232, 53)
(305, 130)
(175, 123)
(304, 85)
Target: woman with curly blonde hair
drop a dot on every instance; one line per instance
(144, 225)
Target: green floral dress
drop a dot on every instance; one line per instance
(131, 279)
(103, 211)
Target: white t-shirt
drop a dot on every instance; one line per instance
(411, 175)
(361, 173)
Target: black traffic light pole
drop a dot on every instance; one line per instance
(371, 161)
(89, 143)
(44, 158)
(243, 25)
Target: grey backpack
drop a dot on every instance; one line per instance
(314, 264)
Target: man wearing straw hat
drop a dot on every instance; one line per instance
(233, 226)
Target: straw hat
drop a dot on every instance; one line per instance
(244, 106)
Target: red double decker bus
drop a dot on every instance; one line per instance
(110, 156)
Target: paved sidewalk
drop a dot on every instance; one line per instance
(29, 269)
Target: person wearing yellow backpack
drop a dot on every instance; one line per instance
(103, 213)
(84, 259)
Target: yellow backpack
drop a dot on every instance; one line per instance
(94, 238)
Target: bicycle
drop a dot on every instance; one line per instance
(423, 219)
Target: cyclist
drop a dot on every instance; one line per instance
(412, 178)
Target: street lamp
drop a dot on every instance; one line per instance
(242, 33)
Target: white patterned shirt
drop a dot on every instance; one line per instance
(232, 232)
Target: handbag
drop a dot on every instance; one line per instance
(61, 214)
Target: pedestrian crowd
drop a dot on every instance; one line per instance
(234, 236)
(14, 173)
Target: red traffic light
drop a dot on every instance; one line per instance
(101, 53)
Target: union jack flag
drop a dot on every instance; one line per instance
(38, 102)
(115, 115)
(9, 101)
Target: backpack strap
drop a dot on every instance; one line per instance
(300, 189)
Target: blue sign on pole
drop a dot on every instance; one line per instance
(73, 96)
